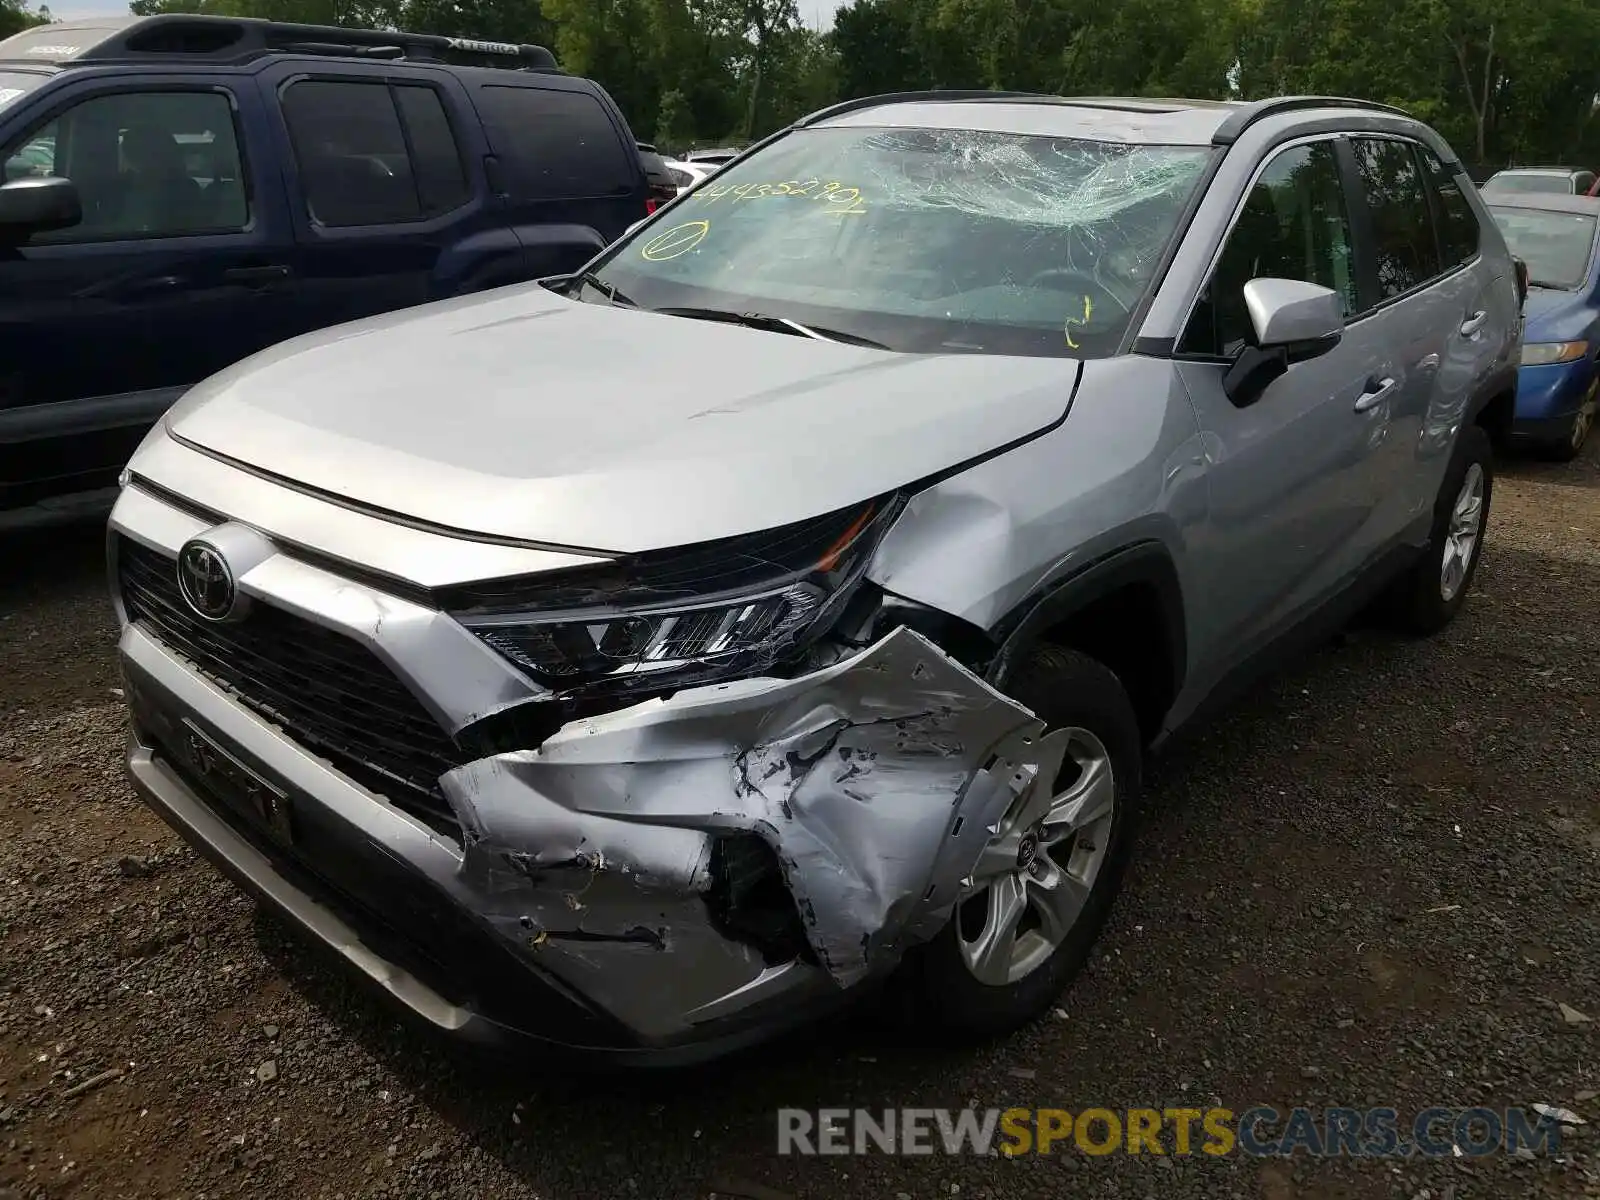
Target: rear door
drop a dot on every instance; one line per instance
(387, 194)
(1433, 313)
(1291, 486)
(566, 164)
(176, 271)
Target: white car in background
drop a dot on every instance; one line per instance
(687, 174)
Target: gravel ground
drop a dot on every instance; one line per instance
(1374, 882)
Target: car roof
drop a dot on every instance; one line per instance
(1549, 201)
(1563, 171)
(1136, 119)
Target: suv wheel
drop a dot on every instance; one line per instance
(1427, 597)
(1045, 883)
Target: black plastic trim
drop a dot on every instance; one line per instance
(1143, 562)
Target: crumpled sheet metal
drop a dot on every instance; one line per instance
(874, 779)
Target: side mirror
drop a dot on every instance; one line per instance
(38, 205)
(1524, 282)
(1293, 321)
(1304, 318)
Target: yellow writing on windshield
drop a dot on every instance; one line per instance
(836, 198)
(677, 241)
(1088, 311)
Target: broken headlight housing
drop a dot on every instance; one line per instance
(670, 619)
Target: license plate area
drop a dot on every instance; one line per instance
(213, 765)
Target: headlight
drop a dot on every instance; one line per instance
(1538, 354)
(674, 618)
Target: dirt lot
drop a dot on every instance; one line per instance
(1374, 883)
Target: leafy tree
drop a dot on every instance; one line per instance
(15, 17)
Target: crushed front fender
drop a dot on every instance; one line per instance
(875, 781)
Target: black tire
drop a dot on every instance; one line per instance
(1065, 689)
(1416, 603)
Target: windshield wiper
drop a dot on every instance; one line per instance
(604, 287)
(1548, 286)
(756, 320)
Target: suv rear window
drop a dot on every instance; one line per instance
(556, 143)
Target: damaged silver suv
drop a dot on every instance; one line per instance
(577, 696)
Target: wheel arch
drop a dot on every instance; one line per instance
(1126, 610)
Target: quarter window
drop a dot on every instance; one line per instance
(359, 165)
(556, 143)
(1294, 225)
(146, 164)
(1407, 255)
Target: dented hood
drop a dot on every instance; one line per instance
(521, 414)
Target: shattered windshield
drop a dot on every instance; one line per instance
(925, 240)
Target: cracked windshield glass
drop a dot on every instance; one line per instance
(920, 239)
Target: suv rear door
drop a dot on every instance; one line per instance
(175, 272)
(387, 192)
(566, 165)
(1430, 292)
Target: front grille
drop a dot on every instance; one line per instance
(325, 690)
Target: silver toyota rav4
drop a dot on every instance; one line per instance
(577, 694)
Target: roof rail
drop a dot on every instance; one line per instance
(1140, 104)
(1242, 118)
(953, 95)
(181, 36)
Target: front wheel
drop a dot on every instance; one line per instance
(1044, 884)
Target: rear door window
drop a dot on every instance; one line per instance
(373, 154)
(556, 143)
(1402, 228)
(1458, 224)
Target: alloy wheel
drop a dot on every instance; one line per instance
(1036, 874)
(1463, 534)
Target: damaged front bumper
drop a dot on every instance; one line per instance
(665, 880)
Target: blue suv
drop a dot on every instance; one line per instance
(180, 192)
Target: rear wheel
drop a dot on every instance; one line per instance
(1427, 597)
(1044, 884)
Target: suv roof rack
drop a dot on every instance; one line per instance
(1248, 114)
(1140, 104)
(180, 36)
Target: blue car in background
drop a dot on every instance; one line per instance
(1558, 387)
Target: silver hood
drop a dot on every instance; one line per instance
(521, 414)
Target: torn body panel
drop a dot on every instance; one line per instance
(872, 780)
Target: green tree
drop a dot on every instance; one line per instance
(15, 17)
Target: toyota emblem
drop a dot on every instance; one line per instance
(205, 581)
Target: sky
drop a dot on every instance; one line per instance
(816, 13)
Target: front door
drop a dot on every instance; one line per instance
(1291, 488)
(175, 271)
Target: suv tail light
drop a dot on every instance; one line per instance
(650, 206)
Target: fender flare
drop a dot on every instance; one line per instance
(1144, 563)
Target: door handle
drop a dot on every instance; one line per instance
(1474, 323)
(257, 275)
(1377, 392)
